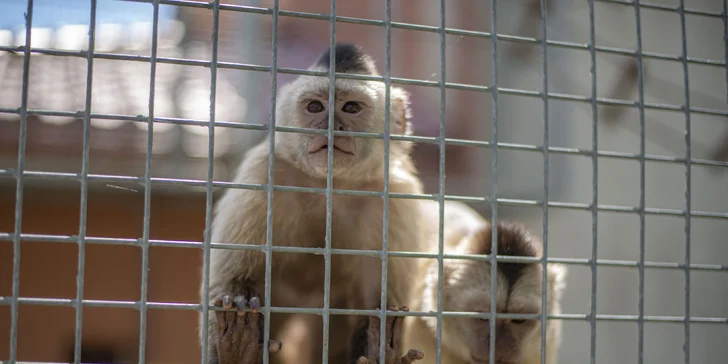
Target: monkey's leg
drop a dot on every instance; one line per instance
(366, 341)
(239, 333)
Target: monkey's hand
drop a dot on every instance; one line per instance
(239, 333)
(393, 340)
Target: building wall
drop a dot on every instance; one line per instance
(112, 272)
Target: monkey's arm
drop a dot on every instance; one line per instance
(365, 342)
(236, 276)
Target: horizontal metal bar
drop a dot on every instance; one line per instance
(460, 32)
(318, 311)
(199, 4)
(374, 253)
(263, 187)
(411, 138)
(669, 8)
(396, 80)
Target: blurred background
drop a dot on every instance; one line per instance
(180, 151)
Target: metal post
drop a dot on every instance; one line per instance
(641, 263)
(441, 183)
(19, 175)
(270, 187)
(595, 184)
(148, 187)
(385, 196)
(688, 175)
(545, 207)
(494, 190)
(209, 183)
(329, 181)
(84, 187)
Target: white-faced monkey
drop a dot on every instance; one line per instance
(299, 218)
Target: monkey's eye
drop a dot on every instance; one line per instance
(315, 107)
(518, 322)
(351, 107)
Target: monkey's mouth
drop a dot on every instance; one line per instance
(325, 148)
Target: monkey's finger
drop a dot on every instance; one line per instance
(411, 356)
(362, 360)
(274, 346)
(391, 320)
(254, 304)
(227, 302)
(255, 319)
(217, 302)
(256, 322)
(373, 338)
(397, 332)
(250, 334)
(374, 323)
(221, 322)
(241, 304)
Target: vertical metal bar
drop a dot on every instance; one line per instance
(686, 110)
(641, 263)
(84, 186)
(19, 186)
(329, 182)
(595, 184)
(385, 197)
(269, 187)
(725, 42)
(545, 207)
(208, 182)
(148, 188)
(494, 188)
(441, 184)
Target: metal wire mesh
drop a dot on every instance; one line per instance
(21, 174)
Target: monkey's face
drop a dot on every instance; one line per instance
(358, 107)
(518, 291)
(470, 290)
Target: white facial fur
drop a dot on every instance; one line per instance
(354, 157)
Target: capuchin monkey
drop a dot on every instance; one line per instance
(237, 277)
(466, 288)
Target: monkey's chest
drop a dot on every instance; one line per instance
(344, 234)
(356, 223)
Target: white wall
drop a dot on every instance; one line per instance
(570, 231)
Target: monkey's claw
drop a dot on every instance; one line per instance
(393, 342)
(240, 333)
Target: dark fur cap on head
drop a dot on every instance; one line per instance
(513, 240)
(350, 58)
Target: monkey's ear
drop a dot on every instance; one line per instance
(400, 111)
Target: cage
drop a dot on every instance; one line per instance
(121, 122)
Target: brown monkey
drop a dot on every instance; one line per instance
(466, 288)
(299, 219)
